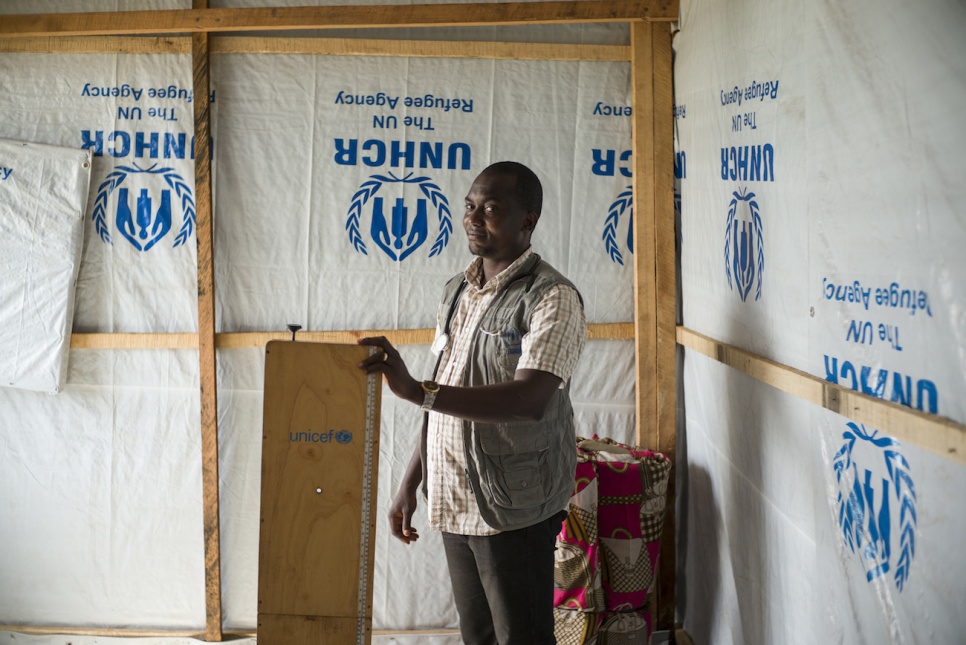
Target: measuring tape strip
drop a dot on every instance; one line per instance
(365, 533)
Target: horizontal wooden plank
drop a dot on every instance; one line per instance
(215, 20)
(134, 341)
(316, 46)
(931, 432)
(260, 339)
(417, 48)
(39, 630)
(610, 331)
(97, 45)
(597, 331)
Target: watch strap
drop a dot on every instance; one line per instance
(430, 389)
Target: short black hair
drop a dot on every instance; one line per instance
(529, 190)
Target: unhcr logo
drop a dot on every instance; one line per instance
(623, 205)
(398, 228)
(142, 214)
(876, 503)
(743, 249)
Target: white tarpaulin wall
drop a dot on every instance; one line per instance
(43, 196)
(823, 228)
(338, 186)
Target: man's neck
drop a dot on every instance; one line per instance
(489, 269)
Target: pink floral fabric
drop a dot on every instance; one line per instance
(608, 547)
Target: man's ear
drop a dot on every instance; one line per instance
(530, 221)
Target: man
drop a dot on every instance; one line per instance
(497, 455)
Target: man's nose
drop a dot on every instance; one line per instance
(474, 215)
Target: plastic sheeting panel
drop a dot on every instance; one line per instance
(43, 194)
(134, 115)
(820, 148)
(100, 491)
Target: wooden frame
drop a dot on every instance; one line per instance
(653, 329)
(650, 56)
(931, 432)
(204, 20)
(655, 262)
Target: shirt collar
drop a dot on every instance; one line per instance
(474, 272)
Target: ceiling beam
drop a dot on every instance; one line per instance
(187, 21)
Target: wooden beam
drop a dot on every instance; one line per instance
(417, 48)
(931, 432)
(597, 331)
(665, 264)
(260, 339)
(316, 46)
(643, 182)
(97, 45)
(133, 341)
(424, 336)
(654, 241)
(41, 630)
(655, 272)
(200, 20)
(206, 334)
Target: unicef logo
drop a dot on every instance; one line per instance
(623, 204)
(743, 250)
(876, 502)
(393, 227)
(142, 216)
(343, 436)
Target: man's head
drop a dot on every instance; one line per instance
(502, 209)
(527, 186)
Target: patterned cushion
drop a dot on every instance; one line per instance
(607, 549)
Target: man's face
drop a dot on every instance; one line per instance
(497, 225)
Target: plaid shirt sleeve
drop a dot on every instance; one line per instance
(557, 333)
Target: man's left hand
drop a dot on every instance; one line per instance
(390, 364)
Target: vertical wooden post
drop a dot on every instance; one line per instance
(654, 270)
(206, 332)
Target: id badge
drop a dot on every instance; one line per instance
(440, 344)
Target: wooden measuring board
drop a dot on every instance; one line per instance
(320, 447)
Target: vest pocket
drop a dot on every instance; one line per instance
(516, 469)
(518, 481)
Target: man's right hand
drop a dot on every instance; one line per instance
(401, 514)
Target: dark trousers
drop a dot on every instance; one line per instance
(503, 584)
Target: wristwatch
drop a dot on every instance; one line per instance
(430, 389)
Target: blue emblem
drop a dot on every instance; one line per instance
(143, 218)
(394, 227)
(511, 342)
(868, 529)
(624, 202)
(743, 251)
(343, 436)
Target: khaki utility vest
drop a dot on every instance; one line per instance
(522, 472)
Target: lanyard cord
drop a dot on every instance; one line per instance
(449, 319)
